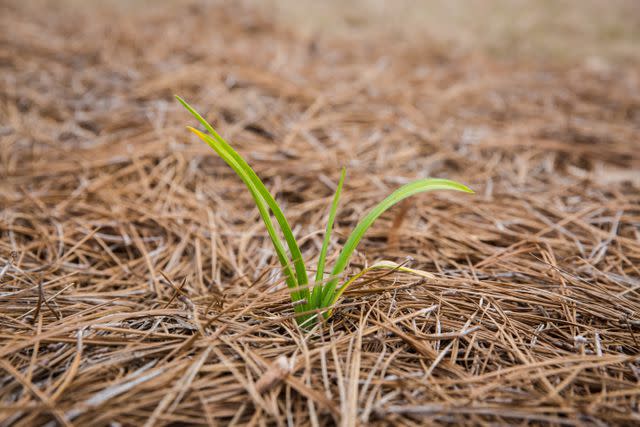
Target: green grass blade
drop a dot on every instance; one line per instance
(296, 255)
(316, 296)
(400, 194)
(262, 208)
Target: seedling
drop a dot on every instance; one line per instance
(312, 302)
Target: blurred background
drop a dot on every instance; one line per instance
(516, 29)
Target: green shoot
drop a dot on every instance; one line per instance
(324, 296)
(240, 166)
(316, 297)
(400, 194)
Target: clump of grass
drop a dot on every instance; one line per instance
(312, 302)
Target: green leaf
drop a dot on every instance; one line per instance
(352, 242)
(316, 296)
(262, 208)
(229, 152)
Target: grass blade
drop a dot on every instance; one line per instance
(262, 208)
(316, 296)
(217, 141)
(400, 194)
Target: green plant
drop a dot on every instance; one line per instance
(310, 304)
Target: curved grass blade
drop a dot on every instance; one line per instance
(316, 296)
(407, 190)
(229, 152)
(264, 213)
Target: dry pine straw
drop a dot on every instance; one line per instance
(138, 286)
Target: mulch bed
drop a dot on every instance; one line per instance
(138, 286)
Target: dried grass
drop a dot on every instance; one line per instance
(138, 287)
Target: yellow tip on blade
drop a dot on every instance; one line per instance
(197, 132)
(467, 189)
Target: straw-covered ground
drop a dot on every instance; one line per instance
(137, 283)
